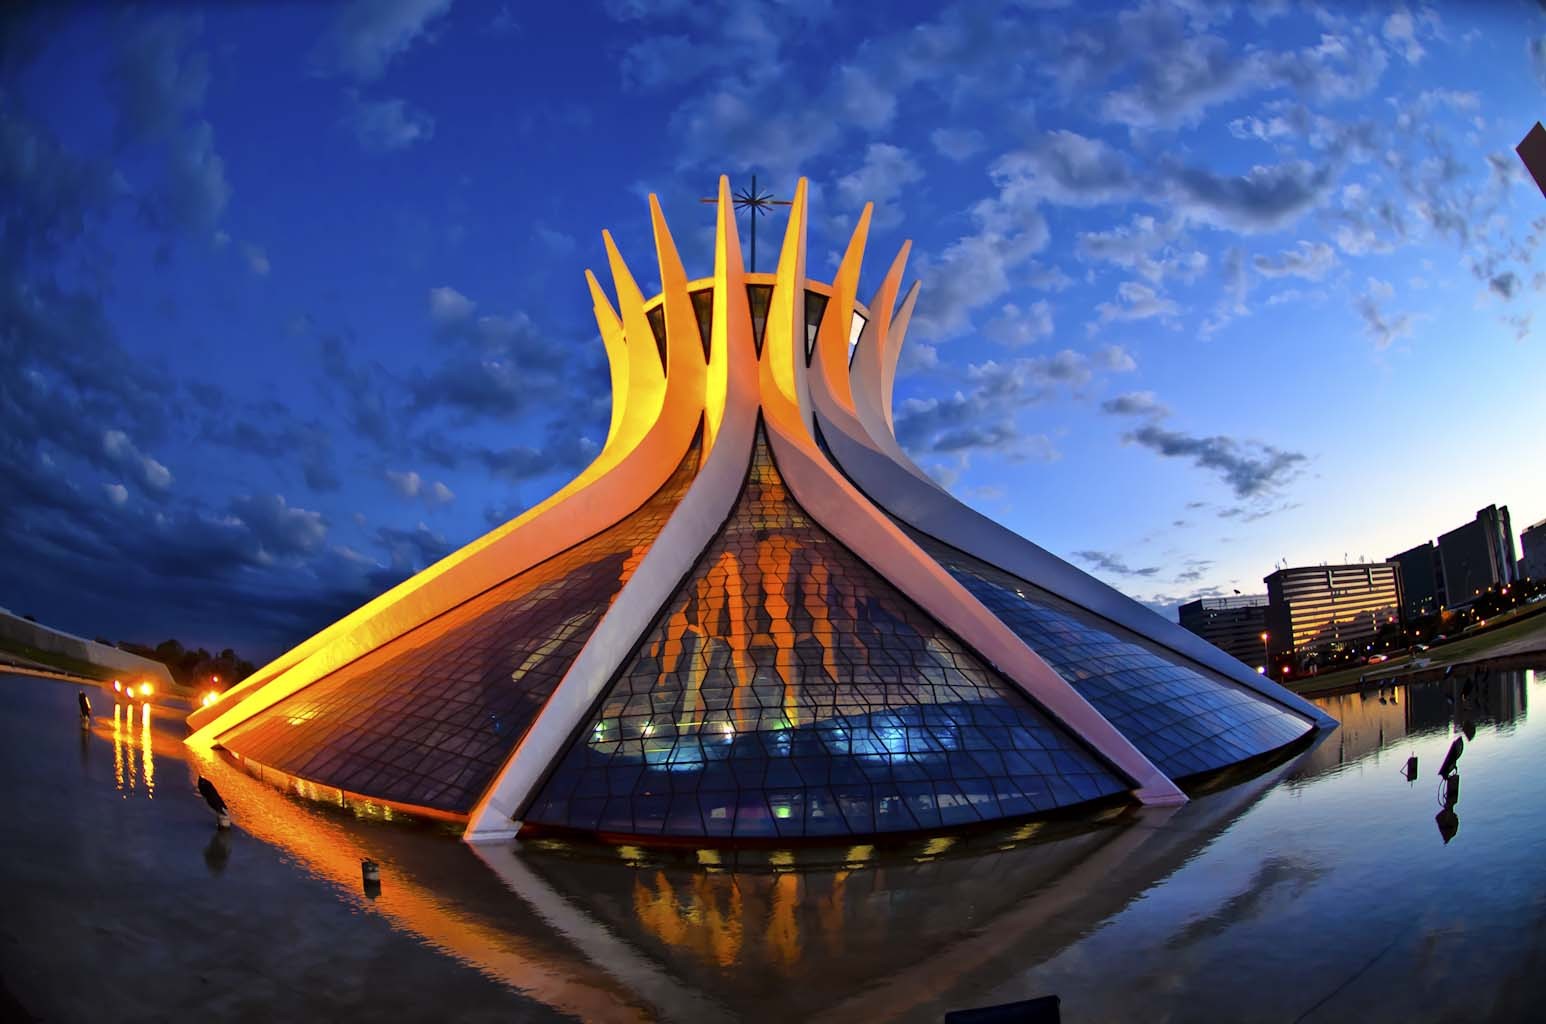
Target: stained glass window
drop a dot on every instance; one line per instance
(656, 315)
(1184, 719)
(788, 690)
(703, 308)
(428, 718)
(758, 298)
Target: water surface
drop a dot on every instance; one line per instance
(1326, 887)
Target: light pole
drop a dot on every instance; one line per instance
(1266, 655)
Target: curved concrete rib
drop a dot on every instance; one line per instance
(865, 530)
(873, 372)
(659, 419)
(687, 533)
(889, 478)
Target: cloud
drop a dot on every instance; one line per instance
(257, 259)
(369, 34)
(1383, 330)
(121, 452)
(1135, 302)
(1310, 260)
(1135, 403)
(407, 484)
(364, 389)
(449, 307)
(1108, 562)
(268, 430)
(978, 268)
(555, 240)
(957, 144)
(1067, 168)
(410, 484)
(1400, 31)
(1265, 198)
(118, 494)
(195, 191)
(1263, 130)
(1250, 469)
(1047, 279)
(412, 550)
(158, 77)
(388, 125)
(563, 450)
(886, 171)
(1181, 78)
(1505, 285)
(1536, 48)
(1016, 327)
(281, 530)
(982, 417)
(1145, 247)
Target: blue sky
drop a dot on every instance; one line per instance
(293, 299)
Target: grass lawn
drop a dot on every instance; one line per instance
(1519, 632)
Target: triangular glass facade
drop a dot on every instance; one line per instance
(788, 691)
(1183, 718)
(428, 718)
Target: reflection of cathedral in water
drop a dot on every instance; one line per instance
(1374, 717)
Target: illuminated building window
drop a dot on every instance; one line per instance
(429, 717)
(788, 691)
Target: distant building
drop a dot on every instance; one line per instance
(1422, 581)
(1232, 624)
(1532, 540)
(1330, 607)
(1478, 556)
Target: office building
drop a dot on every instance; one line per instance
(1478, 556)
(1532, 541)
(1232, 624)
(1330, 608)
(1422, 581)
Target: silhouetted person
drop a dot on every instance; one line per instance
(212, 797)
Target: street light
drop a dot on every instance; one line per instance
(1266, 654)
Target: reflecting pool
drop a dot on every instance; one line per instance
(1335, 885)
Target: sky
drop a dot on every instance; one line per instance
(292, 297)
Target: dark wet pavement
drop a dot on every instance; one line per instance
(1327, 887)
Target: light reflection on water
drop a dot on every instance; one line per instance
(133, 750)
(1320, 886)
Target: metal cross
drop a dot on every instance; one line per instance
(756, 205)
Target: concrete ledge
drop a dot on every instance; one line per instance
(25, 631)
